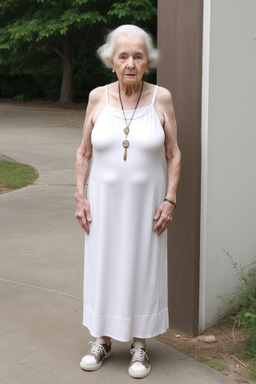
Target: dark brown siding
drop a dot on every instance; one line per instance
(180, 40)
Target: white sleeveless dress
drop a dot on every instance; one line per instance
(125, 269)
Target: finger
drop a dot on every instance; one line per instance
(162, 229)
(85, 226)
(158, 225)
(162, 225)
(83, 223)
(88, 214)
(157, 214)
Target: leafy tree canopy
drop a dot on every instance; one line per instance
(67, 28)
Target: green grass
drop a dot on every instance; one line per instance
(242, 311)
(188, 348)
(16, 175)
(252, 372)
(212, 363)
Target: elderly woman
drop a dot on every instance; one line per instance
(130, 155)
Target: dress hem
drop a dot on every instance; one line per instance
(125, 330)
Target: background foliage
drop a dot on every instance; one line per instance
(41, 39)
(242, 305)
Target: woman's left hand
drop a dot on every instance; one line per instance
(163, 216)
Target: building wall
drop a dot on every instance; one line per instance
(209, 65)
(228, 209)
(180, 70)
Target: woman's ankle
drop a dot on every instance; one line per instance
(143, 341)
(107, 340)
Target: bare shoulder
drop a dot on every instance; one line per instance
(96, 95)
(164, 108)
(164, 96)
(96, 103)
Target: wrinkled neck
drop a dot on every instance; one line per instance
(130, 90)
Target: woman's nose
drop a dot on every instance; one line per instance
(130, 63)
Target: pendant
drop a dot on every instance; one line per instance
(125, 145)
(126, 130)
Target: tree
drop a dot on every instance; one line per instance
(63, 27)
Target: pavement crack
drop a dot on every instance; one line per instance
(54, 185)
(41, 288)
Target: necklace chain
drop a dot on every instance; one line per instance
(126, 142)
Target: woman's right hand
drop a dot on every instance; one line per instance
(83, 213)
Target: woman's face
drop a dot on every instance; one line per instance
(130, 59)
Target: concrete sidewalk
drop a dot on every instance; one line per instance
(41, 274)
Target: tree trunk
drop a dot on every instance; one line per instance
(66, 94)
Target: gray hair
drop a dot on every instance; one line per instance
(106, 51)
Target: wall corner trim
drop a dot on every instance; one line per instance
(204, 164)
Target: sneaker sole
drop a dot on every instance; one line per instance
(136, 375)
(96, 366)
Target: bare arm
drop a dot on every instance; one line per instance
(83, 160)
(165, 111)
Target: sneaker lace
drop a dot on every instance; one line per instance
(138, 354)
(96, 348)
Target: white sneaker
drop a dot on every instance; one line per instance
(139, 366)
(94, 358)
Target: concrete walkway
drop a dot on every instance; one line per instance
(41, 273)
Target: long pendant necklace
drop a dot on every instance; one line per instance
(126, 130)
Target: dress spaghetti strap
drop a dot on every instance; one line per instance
(154, 95)
(106, 94)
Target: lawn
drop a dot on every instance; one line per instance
(15, 175)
